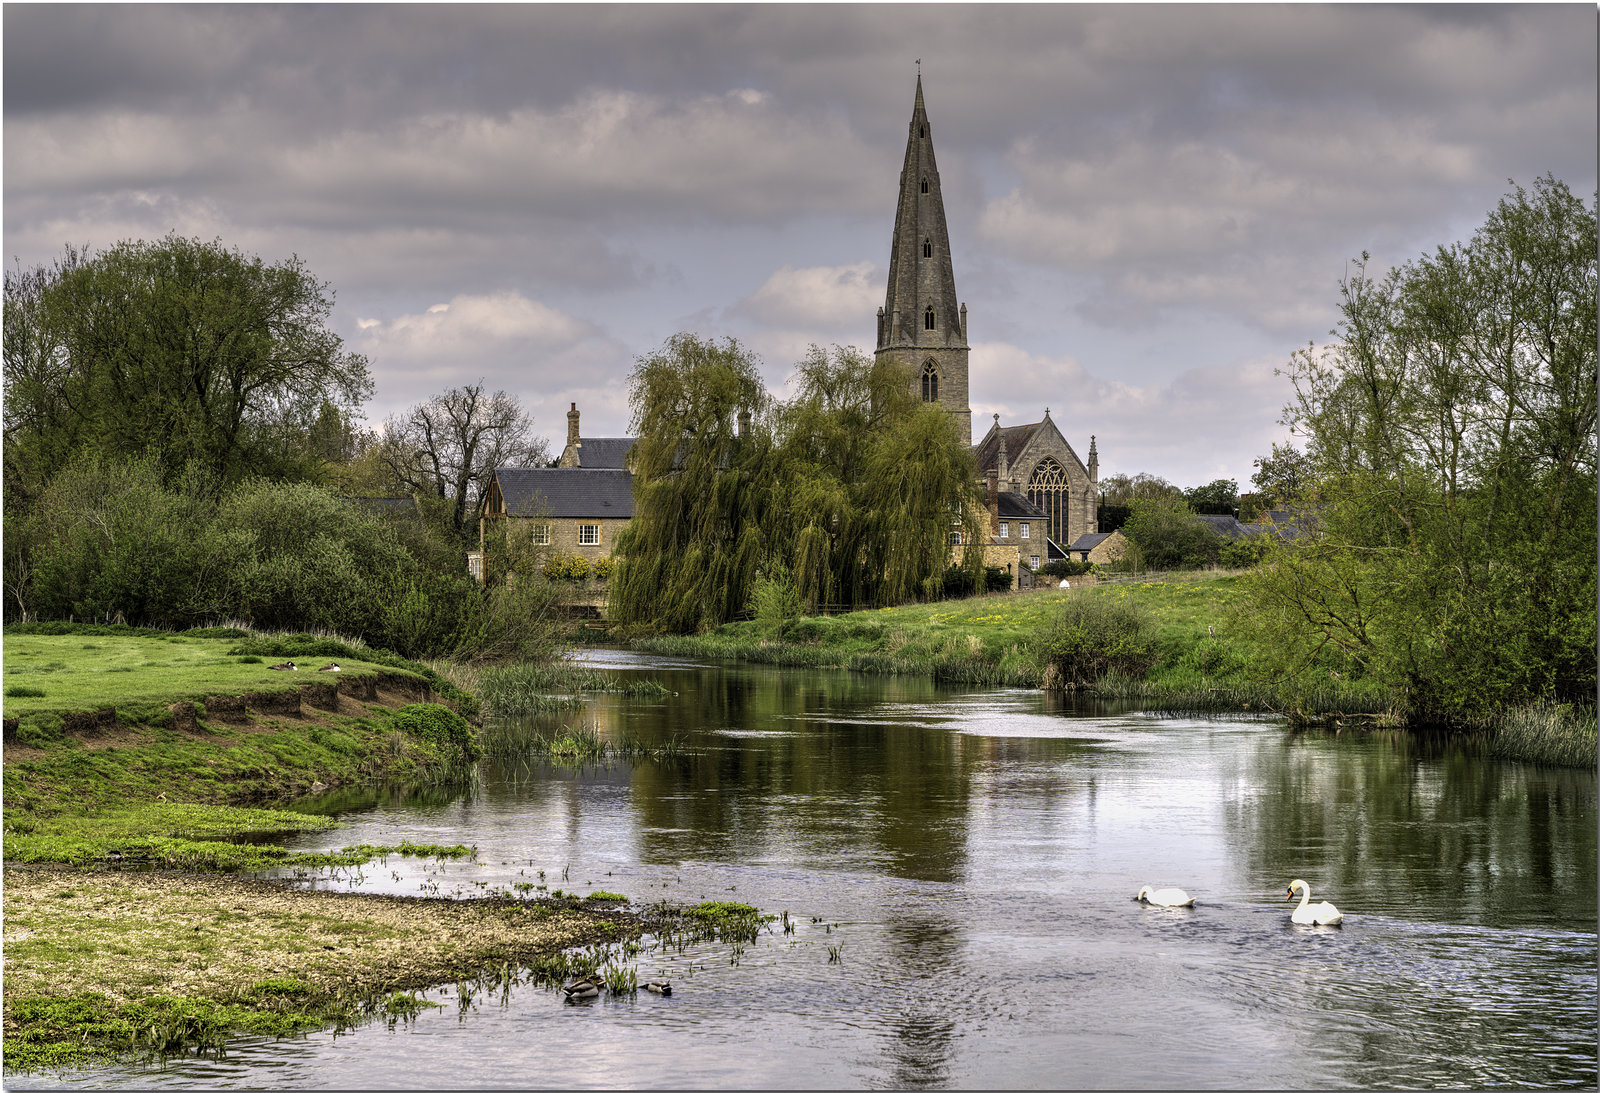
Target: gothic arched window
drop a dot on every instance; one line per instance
(924, 185)
(1049, 489)
(930, 382)
(927, 319)
(927, 248)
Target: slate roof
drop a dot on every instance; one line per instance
(604, 453)
(1227, 526)
(1016, 438)
(1090, 540)
(1053, 552)
(1014, 506)
(567, 492)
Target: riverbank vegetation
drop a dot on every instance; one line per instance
(104, 963)
(144, 769)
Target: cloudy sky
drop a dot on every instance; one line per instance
(1150, 207)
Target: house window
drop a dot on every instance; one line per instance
(541, 534)
(588, 534)
(927, 248)
(1033, 562)
(1005, 530)
(1024, 528)
(924, 185)
(927, 318)
(955, 538)
(930, 382)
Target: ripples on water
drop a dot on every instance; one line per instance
(976, 857)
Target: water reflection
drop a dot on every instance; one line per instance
(973, 859)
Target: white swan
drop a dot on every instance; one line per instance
(1312, 914)
(1165, 897)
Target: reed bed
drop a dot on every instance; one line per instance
(544, 686)
(1550, 735)
(517, 739)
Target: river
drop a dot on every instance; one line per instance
(961, 867)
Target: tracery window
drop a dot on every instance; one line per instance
(927, 248)
(930, 382)
(1048, 488)
(924, 185)
(927, 318)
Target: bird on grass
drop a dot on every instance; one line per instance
(286, 666)
(330, 668)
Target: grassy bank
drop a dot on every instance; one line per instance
(140, 771)
(1196, 665)
(100, 964)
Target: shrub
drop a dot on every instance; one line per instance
(566, 567)
(996, 579)
(774, 597)
(603, 567)
(1092, 636)
(438, 725)
(1165, 534)
(1064, 567)
(959, 581)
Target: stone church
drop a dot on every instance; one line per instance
(1041, 496)
(922, 325)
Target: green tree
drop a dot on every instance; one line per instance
(690, 555)
(1220, 497)
(1451, 433)
(1164, 533)
(187, 351)
(851, 490)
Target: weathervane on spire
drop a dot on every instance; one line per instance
(919, 68)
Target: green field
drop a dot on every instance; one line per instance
(71, 672)
(991, 639)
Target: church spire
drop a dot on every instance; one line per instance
(922, 324)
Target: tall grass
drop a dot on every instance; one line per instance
(579, 744)
(516, 690)
(1551, 735)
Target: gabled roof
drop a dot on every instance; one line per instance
(1016, 438)
(1226, 526)
(1014, 506)
(1090, 540)
(566, 492)
(604, 453)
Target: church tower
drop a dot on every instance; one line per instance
(921, 325)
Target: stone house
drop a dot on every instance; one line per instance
(1100, 547)
(576, 507)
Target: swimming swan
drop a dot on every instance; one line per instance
(1165, 897)
(1312, 914)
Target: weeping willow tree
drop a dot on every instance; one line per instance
(853, 487)
(689, 556)
(875, 483)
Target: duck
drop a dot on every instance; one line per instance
(586, 989)
(1312, 914)
(1164, 897)
(330, 668)
(286, 666)
(661, 987)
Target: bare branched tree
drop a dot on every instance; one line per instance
(448, 446)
